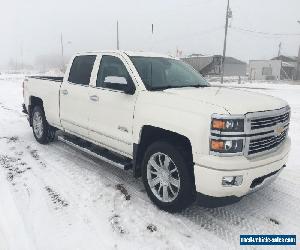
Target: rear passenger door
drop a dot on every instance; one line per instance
(74, 95)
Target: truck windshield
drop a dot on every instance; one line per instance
(163, 73)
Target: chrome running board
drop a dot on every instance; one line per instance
(102, 154)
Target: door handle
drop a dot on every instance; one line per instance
(64, 92)
(94, 98)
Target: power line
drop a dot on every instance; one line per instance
(265, 33)
(190, 36)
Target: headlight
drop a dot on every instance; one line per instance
(227, 125)
(226, 146)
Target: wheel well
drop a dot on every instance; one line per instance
(150, 134)
(34, 101)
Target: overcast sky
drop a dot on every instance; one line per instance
(193, 26)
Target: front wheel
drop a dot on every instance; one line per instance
(167, 177)
(42, 131)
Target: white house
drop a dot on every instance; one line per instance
(264, 69)
(278, 68)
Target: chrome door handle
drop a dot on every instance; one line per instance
(64, 92)
(94, 98)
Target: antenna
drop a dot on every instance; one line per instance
(62, 51)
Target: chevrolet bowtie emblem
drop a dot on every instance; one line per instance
(278, 131)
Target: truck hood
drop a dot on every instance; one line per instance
(234, 101)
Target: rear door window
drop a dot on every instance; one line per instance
(81, 69)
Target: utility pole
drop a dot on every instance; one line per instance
(228, 15)
(298, 63)
(118, 45)
(62, 51)
(22, 61)
(279, 49)
(298, 66)
(152, 33)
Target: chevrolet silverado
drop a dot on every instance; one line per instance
(156, 115)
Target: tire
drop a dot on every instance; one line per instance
(170, 156)
(42, 131)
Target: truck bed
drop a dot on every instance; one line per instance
(47, 89)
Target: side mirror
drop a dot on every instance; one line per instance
(120, 83)
(129, 89)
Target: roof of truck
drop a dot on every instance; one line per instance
(129, 53)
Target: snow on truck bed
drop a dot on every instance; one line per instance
(53, 197)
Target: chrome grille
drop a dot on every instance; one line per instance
(266, 130)
(269, 121)
(266, 143)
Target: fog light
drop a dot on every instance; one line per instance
(232, 180)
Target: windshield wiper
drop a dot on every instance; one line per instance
(182, 86)
(164, 87)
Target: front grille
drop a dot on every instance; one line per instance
(269, 121)
(267, 130)
(266, 143)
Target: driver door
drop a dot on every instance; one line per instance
(111, 108)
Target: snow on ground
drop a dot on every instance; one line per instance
(53, 197)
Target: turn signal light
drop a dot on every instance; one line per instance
(226, 146)
(218, 124)
(217, 145)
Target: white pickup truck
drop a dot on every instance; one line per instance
(158, 116)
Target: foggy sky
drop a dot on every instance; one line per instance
(193, 26)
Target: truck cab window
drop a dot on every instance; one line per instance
(112, 74)
(81, 69)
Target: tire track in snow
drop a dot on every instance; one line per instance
(40, 184)
(8, 109)
(9, 215)
(68, 156)
(42, 180)
(224, 222)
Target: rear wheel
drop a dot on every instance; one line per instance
(167, 177)
(42, 131)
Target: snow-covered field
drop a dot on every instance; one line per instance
(53, 197)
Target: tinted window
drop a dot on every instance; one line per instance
(112, 68)
(81, 69)
(159, 72)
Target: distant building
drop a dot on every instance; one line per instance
(211, 65)
(277, 68)
(288, 67)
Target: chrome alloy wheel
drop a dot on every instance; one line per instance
(163, 177)
(37, 124)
